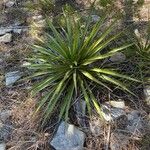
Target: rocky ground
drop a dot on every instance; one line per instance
(126, 127)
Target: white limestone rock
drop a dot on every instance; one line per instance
(117, 104)
(7, 38)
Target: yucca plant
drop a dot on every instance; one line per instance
(142, 47)
(65, 64)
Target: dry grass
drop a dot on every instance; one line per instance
(24, 129)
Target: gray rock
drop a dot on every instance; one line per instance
(110, 113)
(4, 30)
(13, 28)
(7, 38)
(12, 77)
(4, 115)
(17, 30)
(5, 131)
(2, 146)
(147, 94)
(135, 123)
(118, 57)
(95, 18)
(68, 137)
(9, 3)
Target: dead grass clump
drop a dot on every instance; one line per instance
(22, 114)
(12, 97)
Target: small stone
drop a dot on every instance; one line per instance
(95, 18)
(17, 31)
(2, 146)
(137, 33)
(68, 137)
(135, 123)
(4, 115)
(10, 4)
(133, 114)
(118, 57)
(147, 94)
(7, 38)
(4, 30)
(5, 131)
(12, 77)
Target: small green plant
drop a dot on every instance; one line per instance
(65, 63)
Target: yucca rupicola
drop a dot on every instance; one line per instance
(67, 65)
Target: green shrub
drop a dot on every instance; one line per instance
(65, 63)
